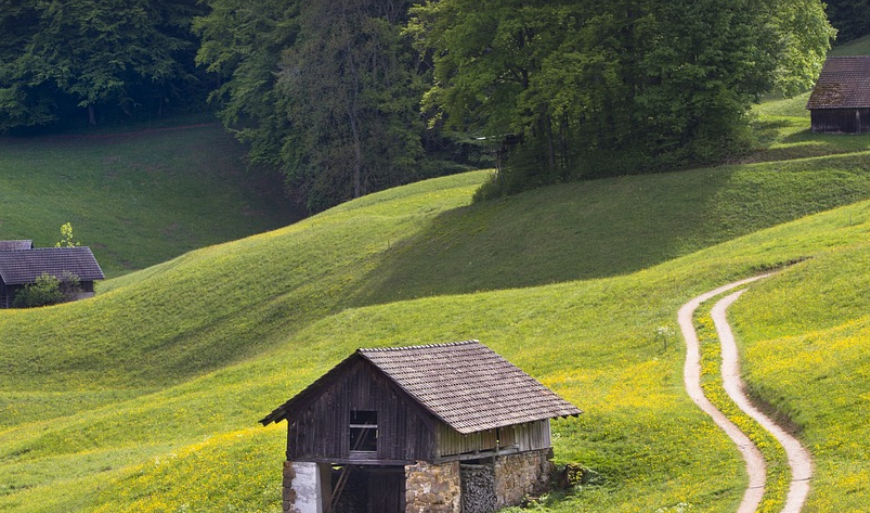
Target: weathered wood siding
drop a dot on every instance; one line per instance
(524, 437)
(846, 121)
(322, 432)
(7, 294)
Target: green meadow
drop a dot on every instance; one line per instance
(146, 398)
(137, 198)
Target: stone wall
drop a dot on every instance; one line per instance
(431, 488)
(520, 475)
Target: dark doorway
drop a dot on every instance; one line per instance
(368, 489)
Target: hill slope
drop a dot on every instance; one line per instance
(108, 404)
(136, 198)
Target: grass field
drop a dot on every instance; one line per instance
(146, 398)
(109, 404)
(138, 198)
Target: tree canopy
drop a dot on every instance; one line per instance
(330, 91)
(327, 91)
(592, 87)
(851, 18)
(59, 58)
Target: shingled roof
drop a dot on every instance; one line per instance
(843, 84)
(465, 384)
(21, 267)
(15, 245)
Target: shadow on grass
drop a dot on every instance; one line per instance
(605, 228)
(569, 232)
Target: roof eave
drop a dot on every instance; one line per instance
(487, 427)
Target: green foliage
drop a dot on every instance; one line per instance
(597, 88)
(48, 290)
(45, 291)
(327, 91)
(860, 46)
(583, 282)
(242, 42)
(61, 57)
(851, 18)
(352, 91)
(66, 237)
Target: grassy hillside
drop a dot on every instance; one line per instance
(138, 198)
(145, 399)
(109, 404)
(806, 336)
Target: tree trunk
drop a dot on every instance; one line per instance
(547, 129)
(357, 153)
(354, 127)
(92, 116)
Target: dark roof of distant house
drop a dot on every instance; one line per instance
(465, 384)
(843, 84)
(21, 267)
(15, 245)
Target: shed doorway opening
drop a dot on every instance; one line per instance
(368, 489)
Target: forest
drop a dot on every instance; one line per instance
(349, 97)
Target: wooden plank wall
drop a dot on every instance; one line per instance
(848, 121)
(524, 437)
(323, 432)
(7, 294)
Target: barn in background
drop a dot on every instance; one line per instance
(21, 265)
(438, 428)
(840, 102)
(15, 245)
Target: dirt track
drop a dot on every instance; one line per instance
(799, 458)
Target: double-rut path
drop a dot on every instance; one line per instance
(799, 458)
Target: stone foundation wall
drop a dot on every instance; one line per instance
(431, 488)
(521, 475)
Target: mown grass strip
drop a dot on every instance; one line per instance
(778, 472)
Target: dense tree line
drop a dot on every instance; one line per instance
(351, 96)
(591, 88)
(61, 59)
(851, 18)
(329, 92)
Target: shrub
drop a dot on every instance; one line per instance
(48, 290)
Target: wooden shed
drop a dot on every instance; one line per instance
(15, 245)
(840, 102)
(385, 427)
(20, 267)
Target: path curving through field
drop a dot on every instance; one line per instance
(799, 458)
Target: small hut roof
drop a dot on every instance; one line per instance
(465, 384)
(15, 245)
(22, 267)
(843, 84)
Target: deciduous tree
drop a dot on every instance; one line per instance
(90, 53)
(326, 90)
(595, 87)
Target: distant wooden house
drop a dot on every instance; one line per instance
(20, 267)
(840, 102)
(15, 245)
(451, 427)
